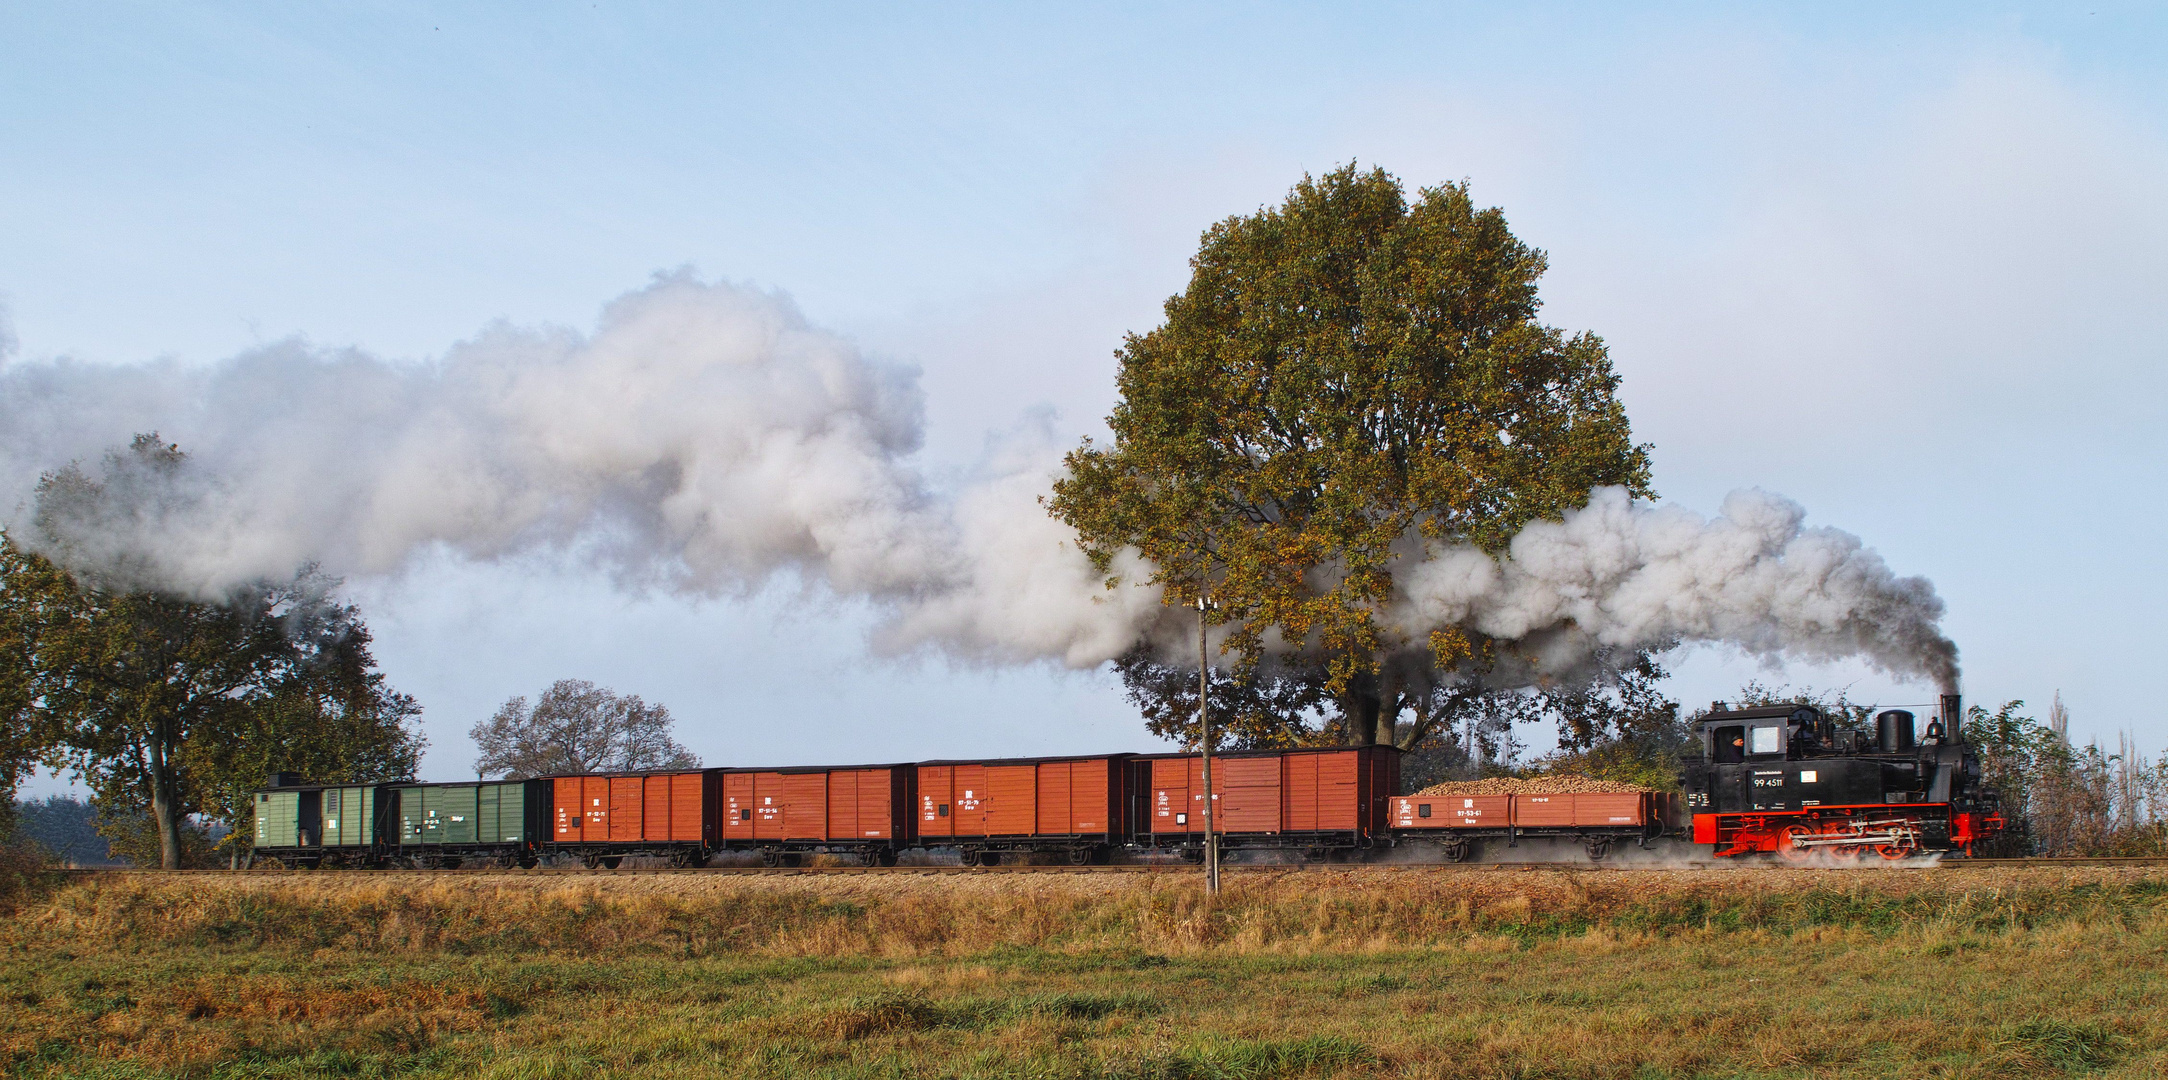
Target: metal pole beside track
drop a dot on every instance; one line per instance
(1204, 739)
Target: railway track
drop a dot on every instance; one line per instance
(1173, 870)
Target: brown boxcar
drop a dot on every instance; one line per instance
(1020, 797)
(604, 818)
(1066, 805)
(635, 809)
(1308, 798)
(865, 809)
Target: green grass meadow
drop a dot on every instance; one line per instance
(1952, 973)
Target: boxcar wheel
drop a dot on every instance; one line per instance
(1457, 851)
(1596, 849)
(610, 862)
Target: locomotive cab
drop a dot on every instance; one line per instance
(1741, 738)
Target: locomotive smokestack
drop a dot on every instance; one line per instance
(1950, 716)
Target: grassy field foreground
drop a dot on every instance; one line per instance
(1461, 974)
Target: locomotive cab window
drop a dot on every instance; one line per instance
(1729, 746)
(1766, 739)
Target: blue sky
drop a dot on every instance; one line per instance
(1904, 266)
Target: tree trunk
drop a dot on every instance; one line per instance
(163, 805)
(1388, 721)
(1419, 730)
(1359, 704)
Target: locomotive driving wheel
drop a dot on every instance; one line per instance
(1894, 852)
(1789, 843)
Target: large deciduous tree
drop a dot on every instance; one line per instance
(170, 705)
(578, 727)
(1347, 379)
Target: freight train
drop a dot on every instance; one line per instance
(1787, 781)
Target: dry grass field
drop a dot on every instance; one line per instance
(1465, 973)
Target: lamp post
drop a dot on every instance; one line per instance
(1204, 739)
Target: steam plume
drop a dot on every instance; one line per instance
(706, 440)
(1630, 575)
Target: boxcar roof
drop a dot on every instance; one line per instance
(809, 768)
(1272, 753)
(1026, 760)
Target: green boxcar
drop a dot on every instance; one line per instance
(502, 813)
(278, 819)
(455, 807)
(464, 814)
(412, 819)
(349, 816)
(440, 814)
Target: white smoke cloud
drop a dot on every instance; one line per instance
(705, 439)
(1624, 575)
(1026, 592)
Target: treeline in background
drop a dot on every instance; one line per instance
(2064, 799)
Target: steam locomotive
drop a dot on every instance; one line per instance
(1786, 780)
